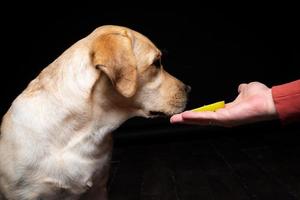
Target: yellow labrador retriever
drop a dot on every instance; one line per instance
(56, 139)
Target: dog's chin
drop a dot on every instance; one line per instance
(154, 114)
(167, 112)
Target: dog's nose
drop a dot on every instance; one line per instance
(187, 88)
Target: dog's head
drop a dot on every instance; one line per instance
(133, 66)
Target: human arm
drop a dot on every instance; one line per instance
(254, 103)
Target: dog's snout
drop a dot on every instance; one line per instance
(187, 88)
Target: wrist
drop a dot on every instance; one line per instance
(271, 108)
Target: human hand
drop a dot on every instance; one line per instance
(254, 103)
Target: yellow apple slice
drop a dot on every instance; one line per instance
(210, 107)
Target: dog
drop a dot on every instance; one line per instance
(56, 140)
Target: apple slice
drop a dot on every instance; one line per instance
(210, 107)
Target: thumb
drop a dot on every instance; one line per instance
(242, 87)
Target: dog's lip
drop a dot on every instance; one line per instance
(157, 114)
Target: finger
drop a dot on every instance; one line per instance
(176, 118)
(202, 118)
(219, 118)
(242, 87)
(198, 115)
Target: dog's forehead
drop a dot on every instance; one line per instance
(144, 49)
(138, 38)
(142, 38)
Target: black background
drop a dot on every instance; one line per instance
(211, 48)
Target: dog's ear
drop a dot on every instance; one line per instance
(113, 54)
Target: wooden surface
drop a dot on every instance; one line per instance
(225, 166)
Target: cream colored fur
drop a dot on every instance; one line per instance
(56, 140)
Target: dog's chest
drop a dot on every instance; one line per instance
(76, 168)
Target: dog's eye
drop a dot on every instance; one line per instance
(157, 63)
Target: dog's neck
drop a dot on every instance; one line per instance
(87, 97)
(76, 74)
(107, 115)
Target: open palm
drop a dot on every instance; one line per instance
(254, 103)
